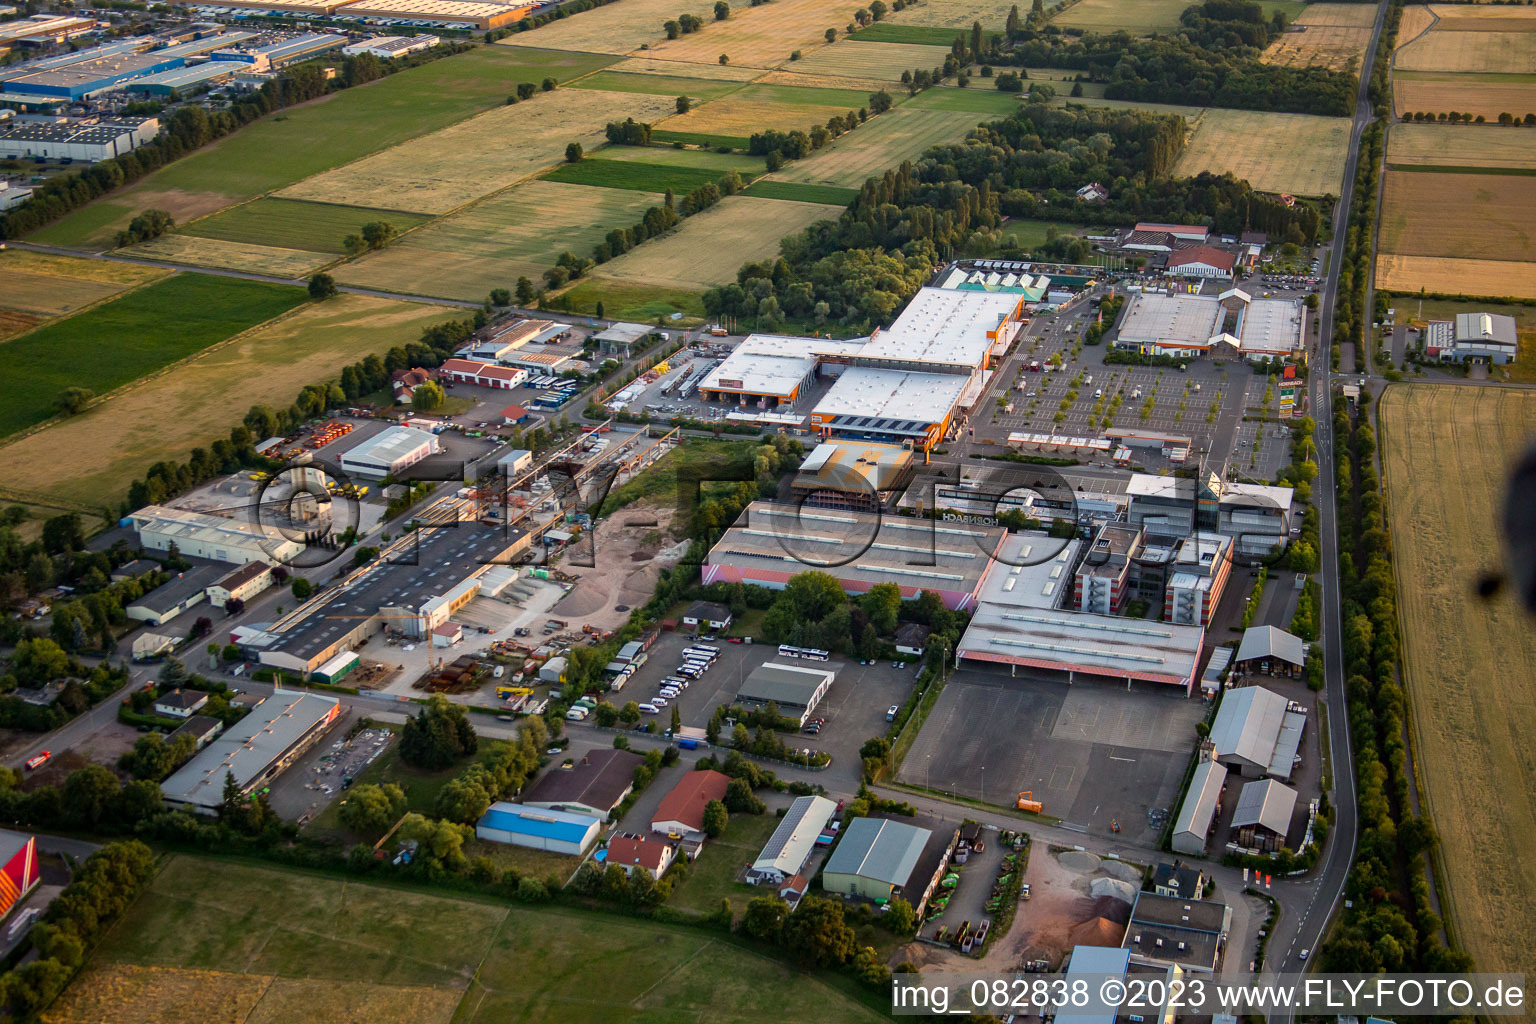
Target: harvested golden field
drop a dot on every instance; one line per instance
(213, 252)
(125, 994)
(440, 172)
(684, 69)
(1346, 15)
(1470, 665)
(1296, 153)
(735, 115)
(1417, 20)
(1338, 47)
(613, 28)
(519, 233)
(1463, 145)
(356, 1002)
(878, 145)
(113, 443)
(14, 322)
(850, 58)
(762, 36)
(1456, 277)
(1464, 216)
(42, 285)
(823, 81)
(1486, 18)
(709, 246)
(1442, 92)
(993, 14)
(1490, 52)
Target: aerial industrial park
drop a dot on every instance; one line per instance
(603, 509)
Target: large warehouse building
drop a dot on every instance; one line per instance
(538, 828)
(771, 543)
(389, 452)
(200, 535)
(254, 750)
(1257, 732)
(907, 384)
(413, 594)
(795, 689)
(1188, 326)
(1202, 802)
(87, 139)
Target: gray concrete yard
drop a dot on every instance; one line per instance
(1093, 753)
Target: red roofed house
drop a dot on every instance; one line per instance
(682, 810)
(1202, 261)
(488, 375)
(513, 415)
(631, 852)
(793, 889)
(405, 383)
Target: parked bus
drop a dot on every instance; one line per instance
(787, 651)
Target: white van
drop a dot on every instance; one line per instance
(649, 709)
(659, 702)
(499, 671)
(576, 714)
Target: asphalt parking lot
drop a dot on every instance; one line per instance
(313, 781)
(854, 707)
(1092, 752)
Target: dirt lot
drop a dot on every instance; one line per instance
(632, 547)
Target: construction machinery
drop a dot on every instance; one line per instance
(1027, 802)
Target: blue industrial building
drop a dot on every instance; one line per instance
(538, 828)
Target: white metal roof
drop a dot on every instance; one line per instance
(1032, 570)
(1271, 642)
(1267, 803)
(1248, 725)
(1271, 327)
(795, 837)
(943, 325)
(1186, 319)
(390, 446)
(892, 396)
(1200, 801)
(1101, 644)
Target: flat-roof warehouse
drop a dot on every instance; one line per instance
(770, 543)
(256, 748)
(1083, 643)
(796, 689)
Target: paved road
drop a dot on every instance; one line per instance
(1297, 931)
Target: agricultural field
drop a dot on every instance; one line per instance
(813, 81)
(1442, 92)
(926, 35)
(213, 252)
(1460, 216)
(993, 14)
(636, 303)
(739, 115)
(1490, 40)
(294, 144)
(708, 159)
(1297, 153)
(682, 69)
(1465, 145)
(882, 62)
(440, 172)
(1331, 36)
(631, 174)
(985, 102)
(40, 287)
(760, 37)
(1190, 114)
(119, 341)
(1458, 277)
(271, 945)
(699, 89)
(1141, 18)
(746, 228)
(878, 145)
(795, 191)
(287, 224)
(114, 442)
(1026, 234)
(614, 28)
(1446, 451)
(495, 242)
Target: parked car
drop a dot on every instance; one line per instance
(891, 712)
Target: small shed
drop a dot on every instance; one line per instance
(448, 634)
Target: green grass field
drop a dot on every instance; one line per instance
(873, 148)
(848, 99)
(713, 876)
(700, 139)
(1027, 234)
(675, 156)
(699, 89)
(923, 35)
(293, 144)
(122, 340)
(387, 944)
(985, 100)
(294, 224)
(637, 303)
(642, 177)
(801, 192)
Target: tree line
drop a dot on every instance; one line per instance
(191, 127)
